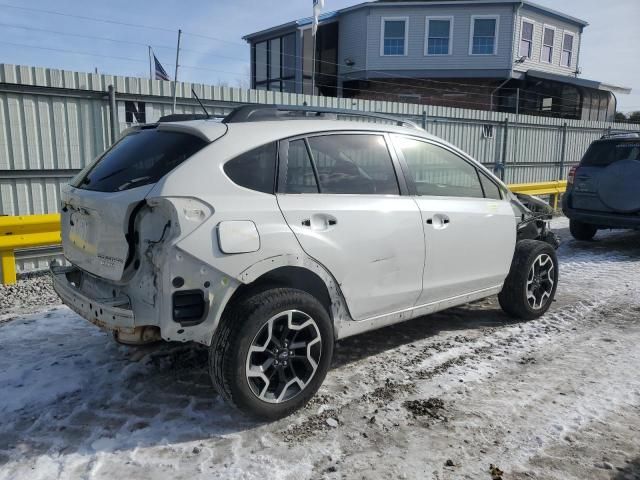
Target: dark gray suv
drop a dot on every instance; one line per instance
(603, 191)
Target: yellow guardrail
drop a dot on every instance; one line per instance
(25, 231)
(30, 231)
(554, 188)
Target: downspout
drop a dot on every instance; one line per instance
(576, 73)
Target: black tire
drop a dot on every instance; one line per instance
(582, 231)
(514, 298)
(238, 330)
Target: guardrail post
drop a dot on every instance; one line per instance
(8, 264)
(505, 138)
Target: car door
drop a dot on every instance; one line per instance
(341, 197)
(469, 230)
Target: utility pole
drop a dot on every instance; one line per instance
(150, 64)
(175, 77)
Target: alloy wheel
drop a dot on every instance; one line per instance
(540, 281)
(283, 356)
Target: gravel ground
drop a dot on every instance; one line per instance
(31, 293)
(440, 397)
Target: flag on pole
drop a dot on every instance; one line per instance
(161, 74)
(318, 5)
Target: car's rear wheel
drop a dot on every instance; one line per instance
(530, 287)
(271, 352)
(582, 231)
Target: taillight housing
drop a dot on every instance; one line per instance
(572, 175)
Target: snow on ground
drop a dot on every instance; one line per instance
(555, 398)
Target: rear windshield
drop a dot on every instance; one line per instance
(141, 158)
(601, 154)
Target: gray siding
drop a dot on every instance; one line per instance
(539, 21)
(351, 42)
(460, 58)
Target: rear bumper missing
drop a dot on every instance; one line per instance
(113, 314)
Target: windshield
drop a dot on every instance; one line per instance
(141, 158)
(601, 154)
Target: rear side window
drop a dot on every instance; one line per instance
(601, 154)
(353, 164)
(300, 177)
(140, 158)
(255, 169)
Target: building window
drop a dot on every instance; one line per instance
(526, 39)
(274, 64)
(547, 44)
(567, 50)
(484, 31)
(438, 35)
(394, 36)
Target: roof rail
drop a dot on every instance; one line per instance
(258, 113)
(620, 133)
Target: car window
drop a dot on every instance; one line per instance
(437, 171)
(602, 154)
(141, 158)
(299, 177)
(491, 190)
(353, 163)
(254, 169)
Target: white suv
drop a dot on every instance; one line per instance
(270, 235)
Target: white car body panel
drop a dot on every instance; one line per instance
(379, 262)
(467, 253)
(374, 249)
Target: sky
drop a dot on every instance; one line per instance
(213, 51)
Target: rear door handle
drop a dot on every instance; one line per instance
(439, 221)
(320, 221)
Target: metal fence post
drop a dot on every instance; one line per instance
(563, 153)
(113, 115)
(424, 119)
(505, 138)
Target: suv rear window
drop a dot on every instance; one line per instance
(601, 154)
(141, 158)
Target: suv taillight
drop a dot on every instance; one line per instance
(572, 175)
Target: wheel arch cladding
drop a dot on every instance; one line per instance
(288, 276)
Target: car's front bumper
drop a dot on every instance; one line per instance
(109, 313)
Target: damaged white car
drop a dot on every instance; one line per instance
(272, 234)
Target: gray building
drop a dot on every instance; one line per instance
(506, 55)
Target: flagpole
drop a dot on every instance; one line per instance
(175, 77)
(313, 60)
(150, 64)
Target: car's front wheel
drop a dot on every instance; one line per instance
(582, 231)
(530, 287)
(271, 352)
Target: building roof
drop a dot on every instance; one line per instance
(412, 3)
(579, 82)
